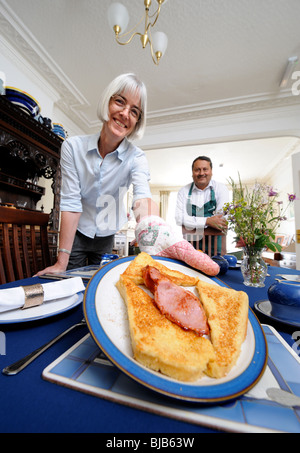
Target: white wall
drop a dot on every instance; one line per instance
(20, 74)
(296, 179)
(282, 181)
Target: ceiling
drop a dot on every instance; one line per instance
(219, 52)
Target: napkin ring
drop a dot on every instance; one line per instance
(34, 295)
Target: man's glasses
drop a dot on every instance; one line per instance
(121, 103)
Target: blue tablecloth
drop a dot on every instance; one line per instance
(30, 404)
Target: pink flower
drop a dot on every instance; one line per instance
(292, 197)
(272, 193)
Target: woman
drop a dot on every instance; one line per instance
(97, 171)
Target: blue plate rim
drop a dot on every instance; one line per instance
(159, 383)
(19, 98)
(34, 110)
(17, 92)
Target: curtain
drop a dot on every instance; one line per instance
(164, 202)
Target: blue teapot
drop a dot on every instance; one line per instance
(285, 292)
(232, 260)
(222, 262)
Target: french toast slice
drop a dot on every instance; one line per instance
(227, 314)
(158, 343)
(134, 271)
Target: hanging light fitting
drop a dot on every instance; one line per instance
(118, 19)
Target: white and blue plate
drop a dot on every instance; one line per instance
(45, 310)
(58, 129)
(23, 100)
(106, 316)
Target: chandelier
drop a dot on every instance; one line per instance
(118, 19)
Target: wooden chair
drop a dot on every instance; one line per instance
(24, 248)
(209, 241)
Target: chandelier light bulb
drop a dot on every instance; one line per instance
(118, 17)
(159, 43)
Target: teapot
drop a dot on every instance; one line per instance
(232, 260)
(222, 262)
(285, 292)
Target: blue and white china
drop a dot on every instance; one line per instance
(22, 100)
(2, 83)
(286, 314)
(285, 293)
(107, 258)
(222, 262)
(47, 122)
(39, 118)
(58, 129)
(232, 260)
(25, 106)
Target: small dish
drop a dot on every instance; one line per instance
(285, 292)
(286, 314)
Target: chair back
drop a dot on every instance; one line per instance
(209, 241)
(24, 247)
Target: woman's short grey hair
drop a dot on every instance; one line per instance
(125, 82)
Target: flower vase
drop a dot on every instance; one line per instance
(253, 267)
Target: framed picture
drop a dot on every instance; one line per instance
(282, 239)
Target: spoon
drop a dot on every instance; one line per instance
(18, 366)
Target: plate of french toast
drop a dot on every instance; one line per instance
(174, 329)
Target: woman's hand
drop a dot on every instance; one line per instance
(68, 226)
(55, 269)
(60, 265)
(144, 207)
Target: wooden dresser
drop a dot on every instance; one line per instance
(28, 151)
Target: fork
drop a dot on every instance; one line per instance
(18, 366)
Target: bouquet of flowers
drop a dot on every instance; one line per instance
(255, 215)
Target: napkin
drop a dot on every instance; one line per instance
(14, 298)
(156, 237)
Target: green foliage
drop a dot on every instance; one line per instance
(255, 214)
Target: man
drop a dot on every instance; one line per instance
(200, 203)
